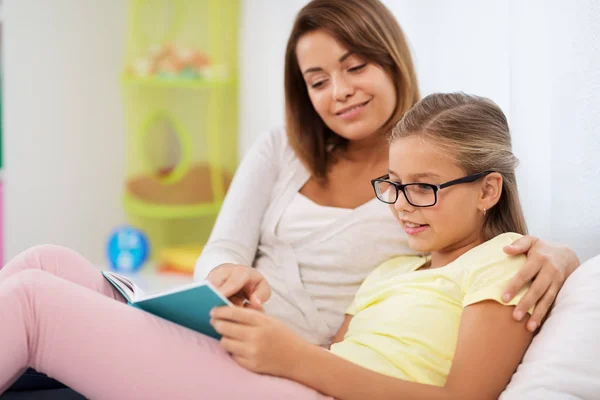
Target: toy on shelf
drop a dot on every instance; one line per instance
(179, 260)
(171, 61)
(127, 249)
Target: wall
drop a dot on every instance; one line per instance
(64, 140)
(575, 124)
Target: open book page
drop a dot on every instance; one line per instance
(126, 287)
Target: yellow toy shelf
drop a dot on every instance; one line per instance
(180, 98)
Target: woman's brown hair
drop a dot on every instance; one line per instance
(474, 132)
(366, 28)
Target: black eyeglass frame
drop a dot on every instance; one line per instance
(400, 187)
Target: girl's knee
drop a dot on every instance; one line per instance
(30, 278)
(56, 260)
(27, 282)
(26, 296)
(46, 257)
(43, 251)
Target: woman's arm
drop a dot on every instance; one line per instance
(548, 265)
(235, 235)
(489, 349)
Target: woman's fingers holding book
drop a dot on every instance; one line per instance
(229, 279)
(238, 299)
(260, 293)
(234, 281)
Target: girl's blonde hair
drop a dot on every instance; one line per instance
(366, 28)
(474, 132)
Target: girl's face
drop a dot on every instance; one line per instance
(456, 220)
(353, 97)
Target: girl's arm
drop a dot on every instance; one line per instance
(339, 336)
(489, 349)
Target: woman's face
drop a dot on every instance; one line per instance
(353, 97)
(456, 219)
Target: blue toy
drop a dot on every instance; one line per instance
(127, 249)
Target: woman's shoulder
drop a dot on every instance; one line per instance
(275, 143)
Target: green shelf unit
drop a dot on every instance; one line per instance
(181, 131)
(150, 210)
(199, 84)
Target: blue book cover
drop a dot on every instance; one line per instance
(187, 305)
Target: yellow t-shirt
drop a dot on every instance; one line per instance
(406, 320)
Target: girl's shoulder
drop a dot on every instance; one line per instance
(395, 266)
(493, 249)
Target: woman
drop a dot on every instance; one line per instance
(300, 226)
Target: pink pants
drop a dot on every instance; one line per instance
(59, 316)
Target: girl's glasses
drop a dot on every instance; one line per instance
(417, 194)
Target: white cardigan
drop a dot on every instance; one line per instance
(265, 183)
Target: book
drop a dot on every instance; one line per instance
(187, 305)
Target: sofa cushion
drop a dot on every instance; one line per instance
(563, 361)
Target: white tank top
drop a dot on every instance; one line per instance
(303, 217)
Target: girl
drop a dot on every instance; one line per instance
(420, 327)
(432, 327)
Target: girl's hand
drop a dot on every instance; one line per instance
(257, 341)
(239, 283)
(548, 265)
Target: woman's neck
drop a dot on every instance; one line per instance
(445, 256)
(369, 151)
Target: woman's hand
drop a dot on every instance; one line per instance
(548, 265)
(257, 341)
(239, 283)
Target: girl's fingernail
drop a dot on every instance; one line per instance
(506, 296)
(519, 315)
(532, 325)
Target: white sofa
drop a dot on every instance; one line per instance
(563, 361)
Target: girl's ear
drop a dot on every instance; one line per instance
(491, 190)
